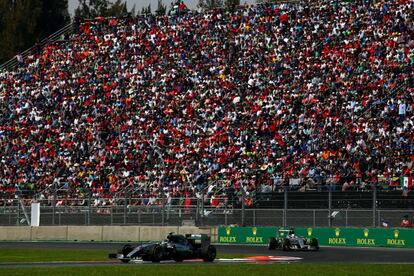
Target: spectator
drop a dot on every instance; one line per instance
(405, 222)
(318, 92)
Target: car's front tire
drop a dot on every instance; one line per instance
(286, 245)
(156, 256)
(126, 249)
(272, 243)
(314, 244)
(178, 259)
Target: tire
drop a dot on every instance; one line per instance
(178, 259)
(209, 254)
(156, 255)
(286, 245)
(126, 249)
(314, 243)
(272, 243)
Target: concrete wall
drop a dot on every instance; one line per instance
(57, 233)
(85, 233)
(120, 233)
(15, 233)
(148, 233)
(98, 233)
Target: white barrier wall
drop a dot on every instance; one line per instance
(99, 233)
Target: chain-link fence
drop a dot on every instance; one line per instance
(158, 216)
(317, 209)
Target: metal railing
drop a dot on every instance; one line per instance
(13, 62)
(174, 216)
(296, 209)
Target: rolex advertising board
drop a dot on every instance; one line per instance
(245, 235)
(359, 237)
(364, 237)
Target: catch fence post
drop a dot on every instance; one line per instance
(346, 218)
(18, 213)
(254, 217)
(314, 218)
(243, 209)
(379, 218)
(285, 204)
(225, 214)
(197, 211)
(89, 207)
(54, 203)
(139, 210)
(125, 206)
(330, 218)
(374, 204)
(202, 208)
(162, 212)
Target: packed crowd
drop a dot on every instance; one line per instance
(318, 92)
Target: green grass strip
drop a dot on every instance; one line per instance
(239, 270)
(9, 255)
(51, 255)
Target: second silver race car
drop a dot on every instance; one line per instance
(287, 240)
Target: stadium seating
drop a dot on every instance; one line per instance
(313, 93)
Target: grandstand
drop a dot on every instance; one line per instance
(300, 96)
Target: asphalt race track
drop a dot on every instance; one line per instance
(325, 255)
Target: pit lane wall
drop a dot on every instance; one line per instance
(99, 233)
(357, 237)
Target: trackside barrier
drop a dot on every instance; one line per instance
(358, 237)
(98, 233)
(245, 235)
(361, 237)
(15, 233)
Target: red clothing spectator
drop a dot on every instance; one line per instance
(405, 222)
(187, 203)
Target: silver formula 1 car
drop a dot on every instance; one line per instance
(287, 240)
(175, 247)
